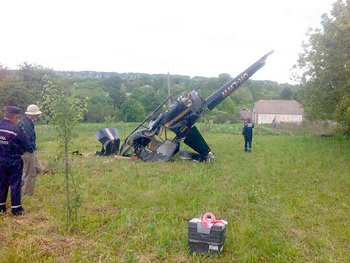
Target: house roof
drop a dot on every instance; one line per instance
(278, 107)
(245, 113)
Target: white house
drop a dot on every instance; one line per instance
(289, 111)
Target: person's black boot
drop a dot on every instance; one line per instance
(18, 211)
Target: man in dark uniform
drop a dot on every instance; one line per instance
(13, 143)
(248, 135)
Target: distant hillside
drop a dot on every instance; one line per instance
(124, 76)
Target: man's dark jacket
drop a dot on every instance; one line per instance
(29, 128)
(248, 130)
(13, 141)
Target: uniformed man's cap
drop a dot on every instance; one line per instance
(13, 110)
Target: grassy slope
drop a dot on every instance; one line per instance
(287, 201)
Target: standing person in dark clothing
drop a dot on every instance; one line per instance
(247, 132)
(32, 166)
(274, 122)
(13, 143)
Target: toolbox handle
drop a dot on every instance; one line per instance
(206, 217)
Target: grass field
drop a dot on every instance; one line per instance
(287, 201)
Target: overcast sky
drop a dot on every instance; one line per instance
(186, 37)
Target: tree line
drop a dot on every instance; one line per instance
(130, 97)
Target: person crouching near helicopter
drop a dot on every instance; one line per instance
(13, 143)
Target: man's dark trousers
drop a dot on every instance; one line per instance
(11, 176)
(248, 144)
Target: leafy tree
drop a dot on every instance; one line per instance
(148, 97)
(132, 111)
(146, 79)
(32, 79)
(325, 64)
(224, 78)
(65, 111)
(228, 106)
(224, 112)
(23, 86)
(243, 98)
(286, 93)
(342, 114)
(257, 89)
(12, 92)
(3, 72)
(160, 83)
(113, 85)
(208, 86)
(88, 87)
(134, 83)
(98, 107)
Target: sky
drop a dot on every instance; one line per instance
(183, 37)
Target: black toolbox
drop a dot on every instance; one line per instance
(206, 238)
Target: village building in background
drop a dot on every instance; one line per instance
(244, 114)
(285, 111)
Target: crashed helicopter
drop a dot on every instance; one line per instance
(154, 142)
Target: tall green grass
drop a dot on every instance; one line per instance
(287, 201)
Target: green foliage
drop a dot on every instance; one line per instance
(342, 115)
(265, 89)
(98, 107)
(105, 94)
(11, 92)
(286, 93)
(63, 107)
(147, 97)
(24, 86)
(243, 97)
(113, 85)
(160, 84)
(224, 78)
(132, 111)
(65, 110)
(225, 112)
(108, 120)
(325, 64)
